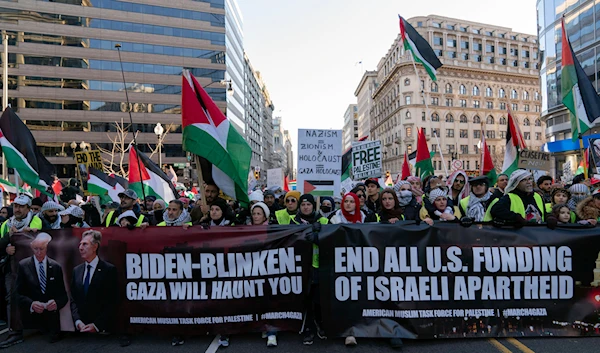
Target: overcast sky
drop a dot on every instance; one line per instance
(308, 51)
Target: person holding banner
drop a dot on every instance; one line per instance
(476, 204)
(41, 288)
(370, 216)
(520, 205)
(260, 214)
(458, 187)
(176, 215)
(407, 200)
(442, 211)
(391, 212)
(220, 215)
(72, 217)
(129, 202)
(350, 211)
(327, 207)
(286, 215)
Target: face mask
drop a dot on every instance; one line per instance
(405, 193)
(578, 198)
(404, 197)
(326, 209)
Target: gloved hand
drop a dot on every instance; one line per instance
(498, 223)
(316, 227)
(466, 222)
(520, 222)
(551, 222)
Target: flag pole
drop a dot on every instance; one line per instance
(427, 114)
(200, 181)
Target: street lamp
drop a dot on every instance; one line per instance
(229, 85)
(159, 130)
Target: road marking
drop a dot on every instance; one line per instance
(520, 346)
(494, 342)
(214, 345)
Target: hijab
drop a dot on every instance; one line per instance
(352, 217)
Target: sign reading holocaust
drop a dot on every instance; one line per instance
(450, 281)
(319, 162)
(222, 280)
(366, 160)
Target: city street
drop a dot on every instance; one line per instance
(289, 342)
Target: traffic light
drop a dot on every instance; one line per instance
(387, 174)
(256, 175)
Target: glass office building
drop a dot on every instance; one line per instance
(582, 21)
(65, 78)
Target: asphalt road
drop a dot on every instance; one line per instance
(289, 342)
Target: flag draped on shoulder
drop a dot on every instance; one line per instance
(423, 159)
(421, 50)
(514, 143)
(224, 153)
(487, 164)
(22, 154)
(578, 93)
(99, 183)
(143, 173)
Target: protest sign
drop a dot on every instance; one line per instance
(275, 177)
(535, 160)
(319, 162)
(366, 160)
(84, 160)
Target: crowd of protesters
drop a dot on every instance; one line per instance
(515, 200)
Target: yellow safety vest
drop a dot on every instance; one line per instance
(549, 211)
(315, 257)
(283, 217)
(36, 223)
(110, 216)
(164, 224)
(516, 206)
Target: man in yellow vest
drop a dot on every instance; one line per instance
(286, 215)
(23, 220)
(129, 202)
(475, 205)
(176, 215)
(520, 204)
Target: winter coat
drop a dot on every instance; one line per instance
(586, 209)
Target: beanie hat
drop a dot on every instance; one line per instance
(579, 188)
(257, 196)
(330, 199)
(51, 205)
(309, 198)
(268, 193)
(37, 202)
(435, 193)
(222, 204)
(127, 214)
(400, 184)
(264, 207)
(294, 194)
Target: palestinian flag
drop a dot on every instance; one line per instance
(7, 186)
(16, 160)
(22, 153)
(122, 181)
(143, 173)
(423, 159)
(487, 165)
(347, 164)
(578, 93)
(224, 154)
(319, 187)
(514, 143)
(101, 184)
(421, 50)
(405, 168)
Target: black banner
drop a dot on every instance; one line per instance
(448, 281)
(224, 280)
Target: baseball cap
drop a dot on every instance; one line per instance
(23, 200)
(129, 193)
(72, 210)
(372, 181)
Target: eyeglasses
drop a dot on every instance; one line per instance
(459, 181)
(361, 196)
(290, 200)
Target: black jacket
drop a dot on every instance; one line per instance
(28, 284)
(501, 210)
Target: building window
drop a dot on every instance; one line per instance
(438, 52)
(525, 95)
(406, 82)
(436, 25)
(422, 85)
(514, 52)
(423, 116)
(502, 50)
(526, 107)
(435, 132)
(489, 120)
(409, 148)
(434, 149)
(448, 88)
(449, 118)
(434, 87)
(537, 108)
(463, 118)
(407, 115)
(503, 106)
(502, 134)
(464, 44)
(491, 134)
(489, 48)
(501, 93)
(435, 117)
(489, 59)
(463, 29)
(463, 89)
(409, 131)
(524, 53)
(407, 100)
(489, 92)
(450, 149)
(435, 101)
(526, 64)
(464, 133)
(464, 56)
(476, 104)
(514, 94)
(477, 134)
(476, 119)
(502, 121)
(438, 40)
(448, 102)
(451, 43)
(450, 27)
(476, 31)
(490, 105)
(515, 63)
(419, 24)
(538, 136)
(463, 103)
(475, 90)
(536, 95)
(477, 58)
(538, 122)
(515, 106)
(464, 149)
(526, 122)
(527, 135)
(449, 133)
(502, 61)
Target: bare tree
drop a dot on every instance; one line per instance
(114, 158)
